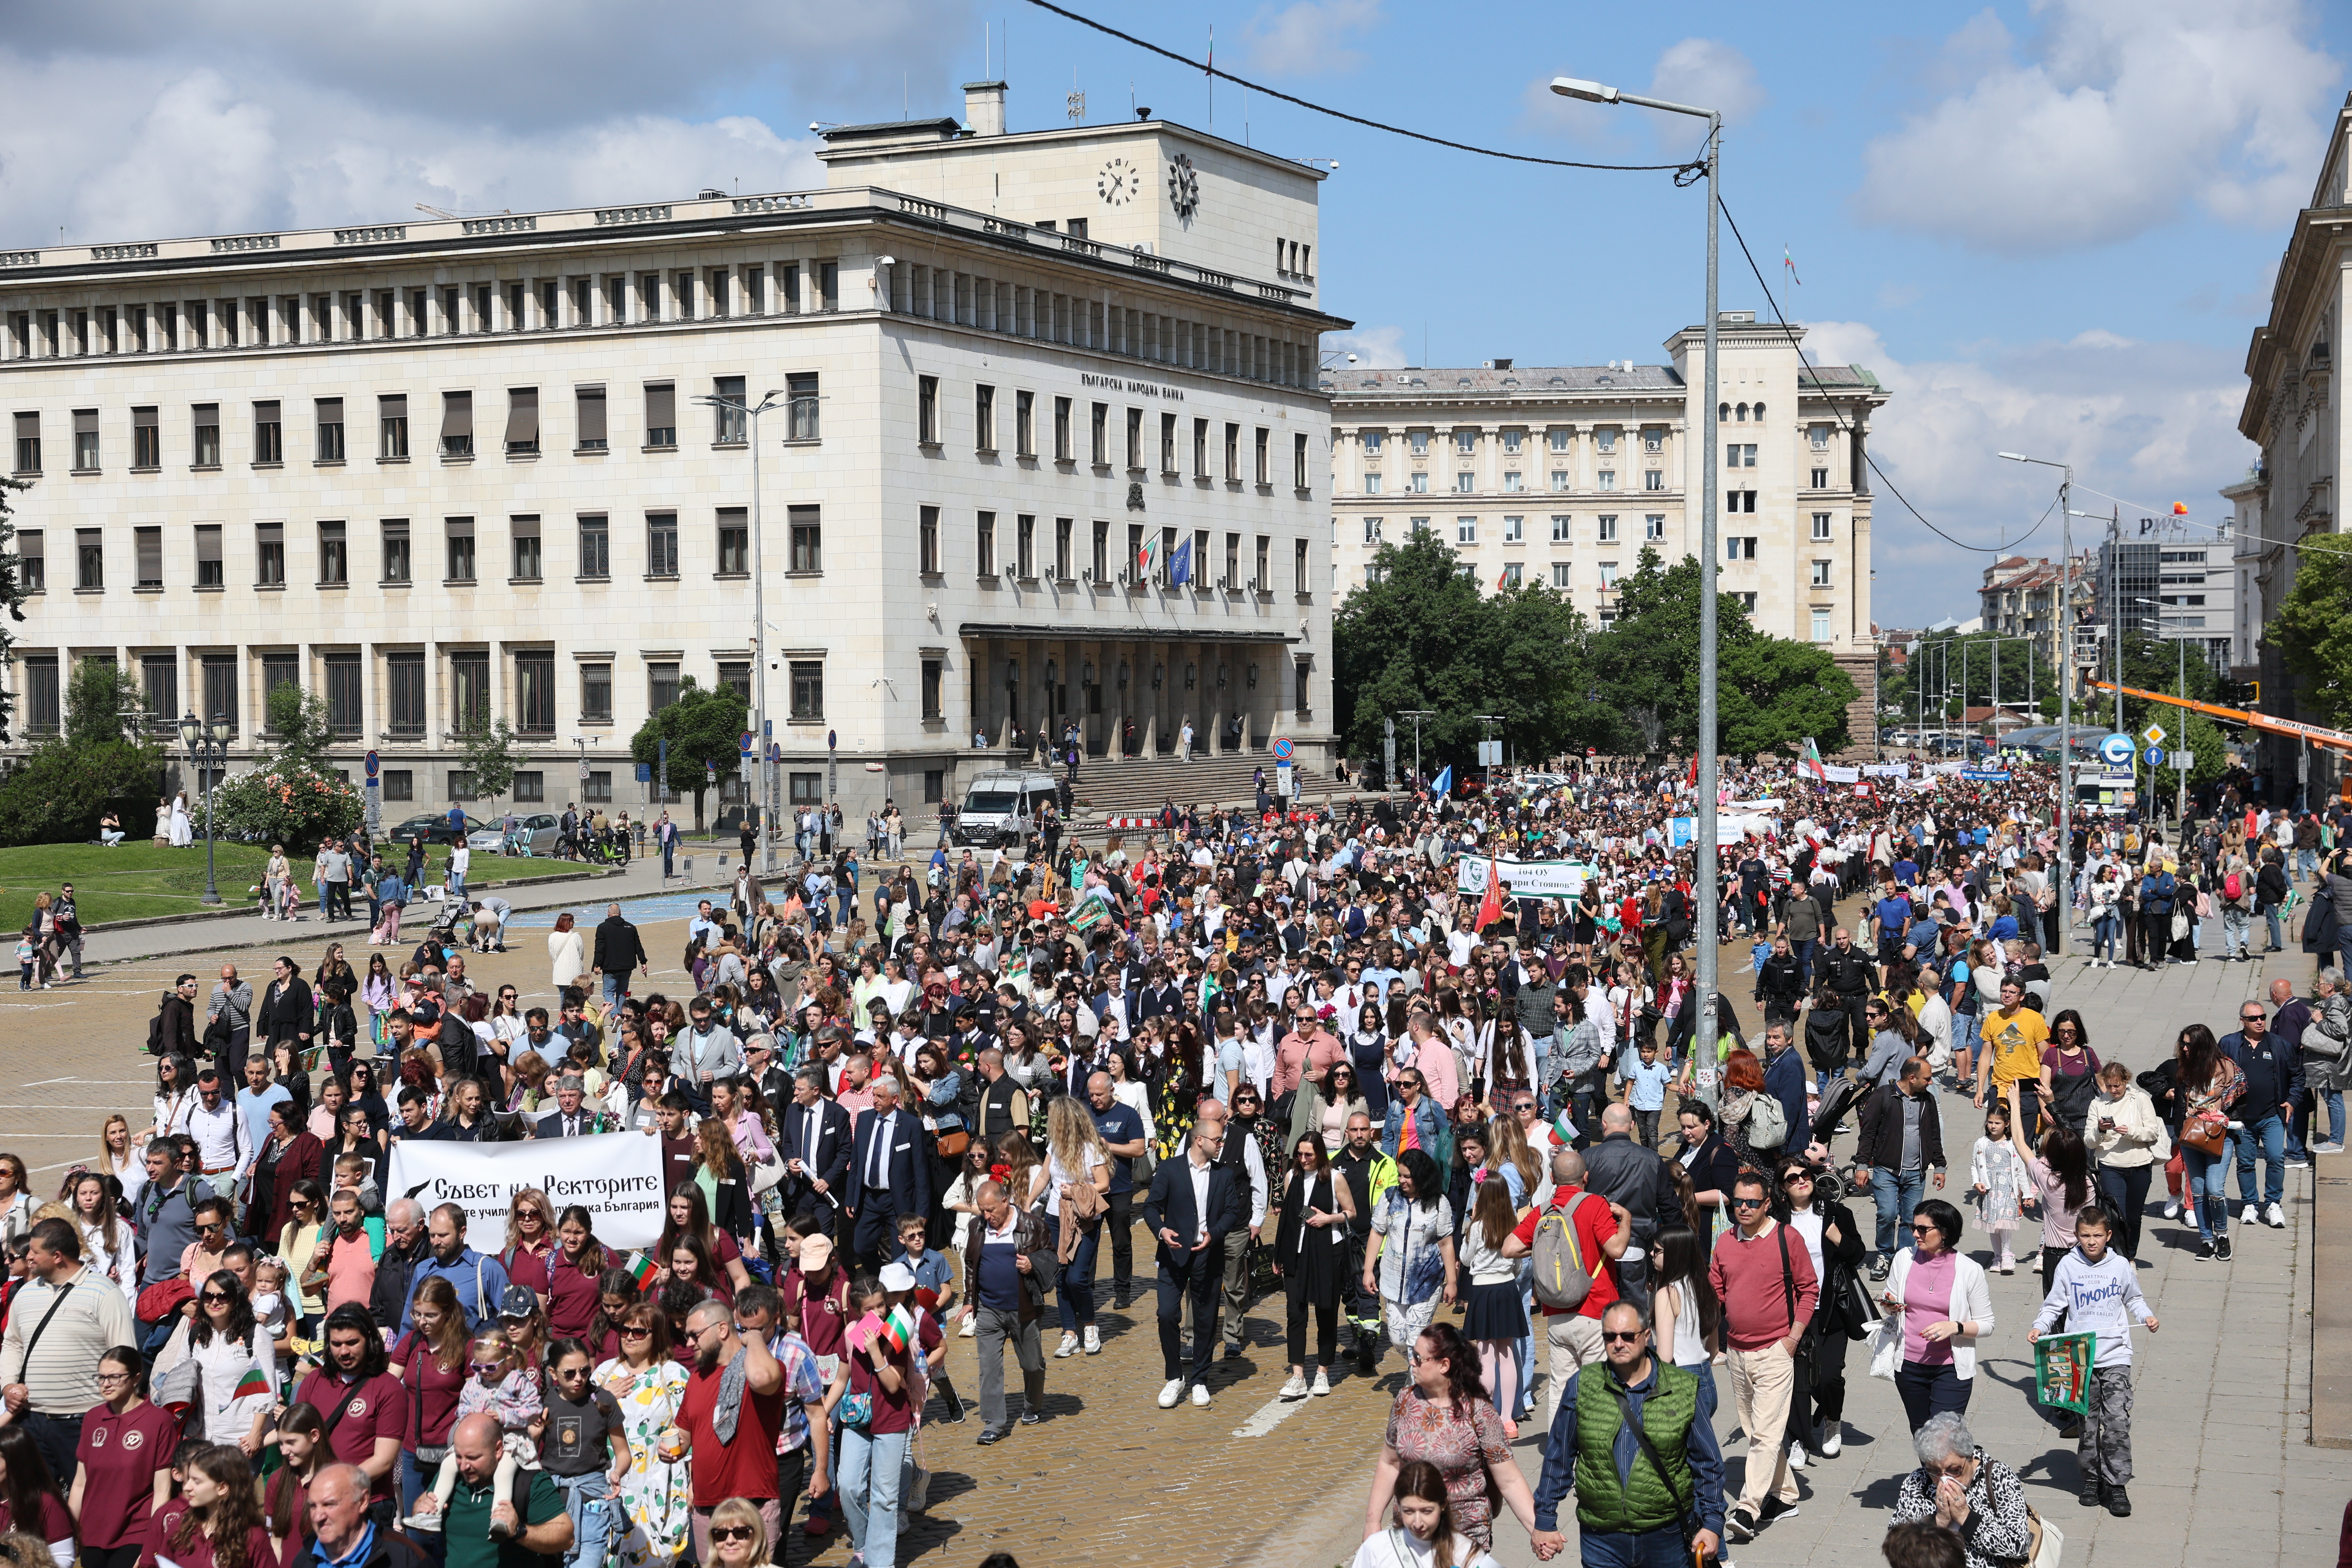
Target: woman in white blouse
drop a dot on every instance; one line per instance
(107, 1244)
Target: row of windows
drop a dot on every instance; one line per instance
(1514, 481)
(1514, 575)
(1168, 557)
(355, 315)
(522, 436)
(1563, 530)
(1557, 438)
(987, 431)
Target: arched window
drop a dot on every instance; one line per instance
(1760, 414)
(1723, 414)
(1743, 413)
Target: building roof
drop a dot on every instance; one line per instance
(1415, 381)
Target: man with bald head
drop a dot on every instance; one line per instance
(1619, 1169)
(1601, 1231)
(343, 1535)
(619, 954)
(1121, 1127)
(481, 1532)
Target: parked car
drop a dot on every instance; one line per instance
(535, 834)
(434, 829)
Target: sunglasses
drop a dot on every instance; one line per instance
(212, 1297)
(1747, 1203)
(1620, 1336)
(637, 1333)
(208, 1230)
(489, 1370)
(730, 1533)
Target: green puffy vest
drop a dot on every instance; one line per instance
(1642, 1502)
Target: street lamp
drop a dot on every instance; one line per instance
(207, 748)
(2179, 688)
(751, 413)
(1704, 878)
(1417, 715)
(2065, 690)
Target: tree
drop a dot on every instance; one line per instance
(490, 752)
(102, 706)
(1959, 671)
(299, 720)
(704, 728)
(58, 792)
(12, 591)
(2313, 629)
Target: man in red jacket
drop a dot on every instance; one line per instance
(1768, 1292)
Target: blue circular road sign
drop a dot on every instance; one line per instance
(2116, 749)
(2155, 757)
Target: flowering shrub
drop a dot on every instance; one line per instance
(282, 804)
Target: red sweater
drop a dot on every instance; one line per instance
(1748, 1279)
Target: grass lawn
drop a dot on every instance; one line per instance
(136, 878)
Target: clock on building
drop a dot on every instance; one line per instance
(1118, 182)
(1184, 187)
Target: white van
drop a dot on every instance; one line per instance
(1000, 807)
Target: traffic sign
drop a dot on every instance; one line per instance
(2116, 750)
(644, 772)
(710, 772)
(2184, 760)
(1282, 780)
(2155, 757)
(371, 766)
(745, 742)
(1283, 750)
(2153, 734)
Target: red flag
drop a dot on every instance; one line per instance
(1503, 580)
(1490, 908)
(1694, 773)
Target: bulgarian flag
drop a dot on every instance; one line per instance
(251, 1383)
(1563, 1129)
(1147, 560)
(1812, 762)
(640, 1268)
(899, 1327)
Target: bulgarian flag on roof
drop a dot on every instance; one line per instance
(640, 1268)
(1812, 761)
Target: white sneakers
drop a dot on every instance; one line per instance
(1068, 1347)
(1094, 1339)
(1171, 1393)
(1831, 1439)
(1200, 1395)
(1294, 1389)
(1322, 1381)
(2172, 1209)
(971, 1327)
(2274, 1218)
(1796, 1456)
(2251, 1216)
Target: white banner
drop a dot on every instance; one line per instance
(1524, 879)
(1832, 774)
(616, 1176)
(1887, 770)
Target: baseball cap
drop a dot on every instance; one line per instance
(517, 1302)
(816, 1251)
(894, 1276)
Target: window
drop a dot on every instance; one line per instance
(206, 451)
(1264, 581)
(828, 286)
(461, 786)
(1298, 463)
(1168, 444)
(734, 541)
(1605, 529)
(1101, 561)
(395, 548)
(728, 416)
(1372, 442)
(392, 426)
(28, 443)
(146, 439)
(1232, 454)
(1511, 481)
(1098, 436)
(1466, 441)
(661, 686)
(1654, 440)
(1514, 530)
(984, 543)
(1062, 449)
(1740, 500)
(89, 558)
(1747, 603)
(1464, 483)
(523, 532)
(159, 685)
(1466, 530)
(459, 532)
(1605, 440)
(927, 539)
(661, 414)
(595, 693)
(328, 413)
(1371, 484)
(1024, 424)
(344, 716)
(1820, 436)
(220, 688)
(1821, 525)
(535, 692)
(470, 690)
(805, 789)
(1512, 441)
(1420, 485)
(1654, 479)
(1559, 478)
(404, 679)
(1200, 448)
(1062, 529)
(148, 551)
(983, 418)
(1821, 481)
(933, 667)
(1653, 526)
(1514, 575)
(1608, 575)
(803, 406)
(596, 545)
(210, 573)
(278, 669)
(32, 565)
(661, 544)
(1738, 547)
(808, 538)
(588, 416)
(84, 453)
(1264, 457)
(269, 554)
(399, 784)
(268, 433)
(1608, 478)
(1419, 441)
(531, 787)
(808, 690)
(1560, 529)
(1821, 577)
(1822, 626)
(927, 410)
(1559, 573)
(457, 424)
(1371, 531)
(43, 711)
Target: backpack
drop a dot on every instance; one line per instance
(1768, 1124)
(155, 1034)
(1562, 1280)
(2232, 889)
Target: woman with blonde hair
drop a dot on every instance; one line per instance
(1077, 1190)
(119, 1158)
(735, 1537)
(531, 1240)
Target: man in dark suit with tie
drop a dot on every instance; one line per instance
(889, 1174)
(814, 1139)
(1193, 1205)
(568, 1120)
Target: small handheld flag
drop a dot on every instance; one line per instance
(251, 1383)
(899, 1328)
(1444, 785)
(1563, 1129)
(1813, 761)
(640, 1268)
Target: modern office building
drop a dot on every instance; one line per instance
(1563, 474)
(449, 471)
(2171, 578)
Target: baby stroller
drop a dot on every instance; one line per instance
(453, 923)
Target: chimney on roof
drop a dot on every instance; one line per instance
(983, 107)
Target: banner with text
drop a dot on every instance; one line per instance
(616, 1176)
(1832, 774)
(1525, 879)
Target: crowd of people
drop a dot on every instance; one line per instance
(1324, 1055)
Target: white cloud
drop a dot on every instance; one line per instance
(1375, 348)
(1706, 73)
(1709, 74)
(1307, 37)
(2155, 422)
(2119, 117)
(251, 117)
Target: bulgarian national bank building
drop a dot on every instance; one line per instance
(1055, 449)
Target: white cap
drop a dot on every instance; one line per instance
(897, 1276)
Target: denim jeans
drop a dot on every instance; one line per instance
(2270, 1133)
(416, 1481)
(1076, 1298)
(588, 1500)
(1803, 952)
(1657, 1548)
(612, 990)
(2278, 939)
(1896, 1193)
(2234, 923)
(2334, 1099)
(2206, 1200)
(2102, 936)
(2306, 864)
(872, 1466)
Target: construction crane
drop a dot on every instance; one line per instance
(2339, 740)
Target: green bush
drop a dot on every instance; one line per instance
(58, 790)
(292, 804)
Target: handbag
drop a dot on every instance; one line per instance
(857, 1411)
(2207, 1131)
(1885, 1347)
(2049, 1540)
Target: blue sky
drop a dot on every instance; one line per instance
(2046, 227)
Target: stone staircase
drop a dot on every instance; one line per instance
(1136, 786)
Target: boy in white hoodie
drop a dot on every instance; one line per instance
(2098, 1291)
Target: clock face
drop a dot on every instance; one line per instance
(1118, 182)
(1184, 187)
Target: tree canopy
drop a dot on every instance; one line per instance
(702, 727)
(2313, 629)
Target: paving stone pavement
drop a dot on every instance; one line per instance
(2224, 1468)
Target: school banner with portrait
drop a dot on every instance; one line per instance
(1524, 879)
(616, 1176)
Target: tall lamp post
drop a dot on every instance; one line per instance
(2065, 691)
(750, 413)
(1417, 715)
(1706, 872)
(207, 749)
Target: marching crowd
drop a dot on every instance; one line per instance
(1333, 1057)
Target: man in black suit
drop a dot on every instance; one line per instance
(1194, 1203)
(568, 1120)
(814, 1135)
(889, 1174)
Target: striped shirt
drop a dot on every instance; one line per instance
(62, 1379)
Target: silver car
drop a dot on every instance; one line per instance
(533, 835)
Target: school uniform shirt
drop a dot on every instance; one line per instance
(374, 1408)
(432, 1393)
(119, 1455)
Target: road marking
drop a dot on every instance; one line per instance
(1270, 1415)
